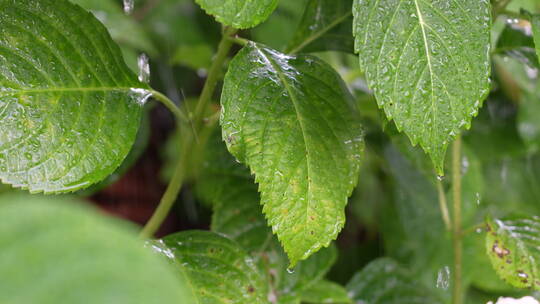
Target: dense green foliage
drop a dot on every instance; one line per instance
(296, 125)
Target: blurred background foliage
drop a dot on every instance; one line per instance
(394, 211)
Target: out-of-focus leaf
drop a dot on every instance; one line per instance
(325, 25)
(239, 14)
(276, 31)
(193, 56)
(513, 248)
(383, 281)
(528, 122)
(516, 41)
(291, 119)
(326, 292)
(217, 268)
(57, 251)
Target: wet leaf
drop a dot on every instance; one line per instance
(326, 292)
(528, 124)
(326, 25)
(232, 192)
(291, 120)
(427, 63)
(57, 251)
(68, 108)
(217, 268)
(239, 14)
(513, 248)
(383, 281)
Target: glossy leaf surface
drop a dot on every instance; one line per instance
(383, 281)
(68, 109)
(325, 25)
(239, 14)
(291, 120)
(513, 248)
(427, 63)
(57, 251)
(326, 292)
(217, 268)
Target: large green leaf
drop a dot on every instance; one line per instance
(513, 248)
(239, 13)
(292, 121)
(57, 251)
(383, 281)
(217, 268)
(238, 214)
(326, 25)
(428, 64)
(69, 106)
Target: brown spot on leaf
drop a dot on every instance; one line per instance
(501, 252)
(250, 289)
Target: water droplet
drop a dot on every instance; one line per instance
(464, 165)
(440, 177)
(289, 270)
(129, 6)
(140, 96)
(144, 68)
(443, 278)
(478, 198)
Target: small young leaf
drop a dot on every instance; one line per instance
(326, 292)
(68, 106)
(513, 248)
(326, 25)
(217, 268)
(383, 281)
(239, 14)
(56, 251)
(292, 121)
(428, 63)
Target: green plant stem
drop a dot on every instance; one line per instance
(213, 76)
(239, 40)
(168, 198)
(457, 239)
(443, 205)
(170, 105)
(197, 120)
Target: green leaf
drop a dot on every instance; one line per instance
(69, 106)
(326, 25)
(515, 42)
(427, 63)
(535, 24)
(232, 191)
(528, 124)
(217, 268)
(123, 29)
(513, 248)
(291, 120)
(239, 14)
(59, 251)
(326, 292)
(383, 281)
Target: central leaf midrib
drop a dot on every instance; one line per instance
(283, 79)
(428, 57)
(11, 91)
